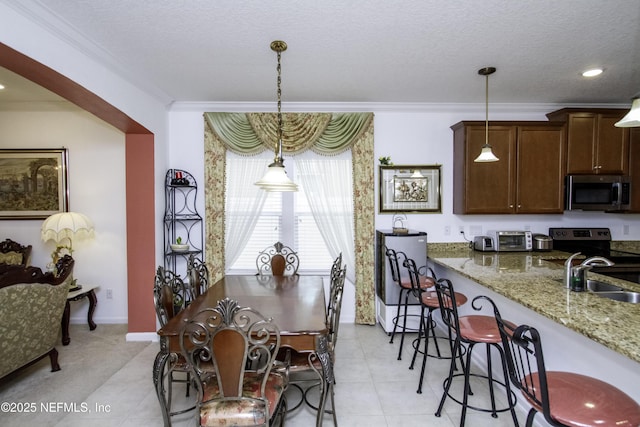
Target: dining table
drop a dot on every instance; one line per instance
(295, 303)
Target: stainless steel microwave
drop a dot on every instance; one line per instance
(597, 192)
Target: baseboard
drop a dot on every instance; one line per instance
(141, 336)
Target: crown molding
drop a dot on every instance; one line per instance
(391, 107)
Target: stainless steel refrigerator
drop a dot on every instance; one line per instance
(414, 245)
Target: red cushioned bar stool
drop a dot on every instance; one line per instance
(566, 399)
(472, 330)
(405, 291)
(429, 302)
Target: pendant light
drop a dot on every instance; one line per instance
(486, 155)
(276, 178)
(632, 119)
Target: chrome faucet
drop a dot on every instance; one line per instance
(583, 267)
(597, 260)
(568, 265)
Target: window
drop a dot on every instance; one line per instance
(285, 217)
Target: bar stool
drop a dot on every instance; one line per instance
(472, 330)
(564, 398)
(405, 289)
(429, 302)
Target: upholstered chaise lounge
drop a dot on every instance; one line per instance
(31, 307)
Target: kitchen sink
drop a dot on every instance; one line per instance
(624, 296)
(598, 286)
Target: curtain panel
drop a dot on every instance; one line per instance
(324, 133)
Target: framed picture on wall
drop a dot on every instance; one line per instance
(33, 183)
(410, 188)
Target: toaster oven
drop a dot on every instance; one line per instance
(504, 241)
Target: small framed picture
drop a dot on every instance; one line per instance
(33, 183)
(410, 188)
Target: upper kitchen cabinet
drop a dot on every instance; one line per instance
(594, 144)
(634, 168)
(528, 178)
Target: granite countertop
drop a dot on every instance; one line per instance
(534, 280)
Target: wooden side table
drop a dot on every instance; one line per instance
(85, 291)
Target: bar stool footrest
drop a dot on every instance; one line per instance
(475, 408)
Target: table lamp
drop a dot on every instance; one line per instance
(65, 225)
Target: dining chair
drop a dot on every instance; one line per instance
(305, 368)
(230, 351)
(171, 296)
(198, 275)
(564, 398)
(471, 330)
(277, 260)
(427, 327)
(404, 283)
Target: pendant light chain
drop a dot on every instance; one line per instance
(279, 69)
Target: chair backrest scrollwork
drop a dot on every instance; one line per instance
(238, 343)
(277, 260)
(198, 275)
(170, 295)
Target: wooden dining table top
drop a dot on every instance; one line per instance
(296, 304)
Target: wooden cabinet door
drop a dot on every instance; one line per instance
(488, 187)
(540, 169)
(595, 145)
(581, 143)
(634, 168)
(613, 146)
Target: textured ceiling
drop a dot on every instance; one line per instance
(361, 51)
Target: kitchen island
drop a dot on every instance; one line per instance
(581, 332)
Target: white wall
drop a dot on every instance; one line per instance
(97, 189)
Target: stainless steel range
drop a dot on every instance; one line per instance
(597, 242)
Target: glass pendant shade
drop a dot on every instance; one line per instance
(486, 155)
(632, 119)
(276, 179)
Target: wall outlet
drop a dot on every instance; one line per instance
(461, 229)
(447, 230)
(625, 229)
(109, 293)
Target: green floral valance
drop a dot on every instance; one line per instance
(324, 133)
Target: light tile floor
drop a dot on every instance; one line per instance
(373, 389)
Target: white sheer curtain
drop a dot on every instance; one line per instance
(328, 184)
(243, 200)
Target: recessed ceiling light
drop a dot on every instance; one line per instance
(592, 73)
(1, 86)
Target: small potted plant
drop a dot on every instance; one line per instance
(178, 246)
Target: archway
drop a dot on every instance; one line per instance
(139, 157)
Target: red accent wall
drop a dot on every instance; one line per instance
(140, 231)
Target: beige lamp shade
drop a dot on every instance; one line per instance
(66, 225)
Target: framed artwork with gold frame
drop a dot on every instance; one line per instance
(410, 188)
(33, 183)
